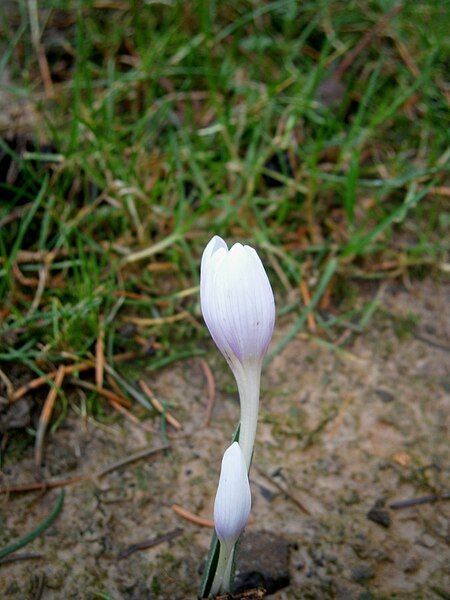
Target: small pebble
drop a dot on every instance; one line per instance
(427, 541)
(384, 395)
(379, 516)
(362, 573)
(411, 564)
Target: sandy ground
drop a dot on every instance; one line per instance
(341, 433)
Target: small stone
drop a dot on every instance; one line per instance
(411, 564)
(363, 572)
(445, 382)
(54, 578)
(427, 541)
(16, 416)
(379, 515)
(95, 549)
(266, 493)
(262, 562)
(384, 395)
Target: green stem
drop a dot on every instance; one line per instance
(248, 381)
(222, 577)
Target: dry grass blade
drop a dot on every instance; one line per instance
(43, 278)
(56, 483)
(25, 281)
(19, 557)
(46, 379)
(35, 486)
(132, 458)
(366, 40)
(112, 396)
(159, 407)
(340, 416)
(100, 355)
(143, 322)
(40, 52)
(430, 498)
(7, 383)
(284, 491)
(182, 512)
(132, 418)
(211, 385)
(144, 545)
(75, 368)
(306, 300)
(45, 417)
(152, 250)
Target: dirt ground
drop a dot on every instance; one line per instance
(342, 433)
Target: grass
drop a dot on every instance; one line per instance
(161, 124)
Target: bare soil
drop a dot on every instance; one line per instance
(343, 433)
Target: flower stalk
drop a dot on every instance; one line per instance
(239, 310)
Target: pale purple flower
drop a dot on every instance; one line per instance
(237, 301)
(239, 309)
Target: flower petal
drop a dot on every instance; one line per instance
(240, 311)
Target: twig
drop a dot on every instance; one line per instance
(45, 417)
(132, 458)
(418, 501)
(182, 512)
(159, 407)
(35, 486)
(55, 483)
(151, 543)
(430, 342)
(211, 384)
(279, 487)
(39, 529)
(17, 557)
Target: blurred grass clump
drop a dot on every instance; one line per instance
(132, 131)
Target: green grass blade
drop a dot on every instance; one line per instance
(39, 529)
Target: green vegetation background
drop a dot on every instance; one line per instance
(133, 131)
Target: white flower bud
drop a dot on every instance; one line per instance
(233, 500)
